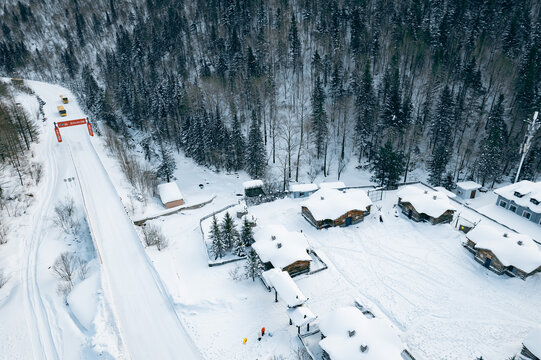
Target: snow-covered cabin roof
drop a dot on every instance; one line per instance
(252, 184)
(528, 190)
(429, 202)
(380, 338)
(169, 192)
(302, 187)
(301, 315)
(468, 185)
(284, 285)
(533, 342)
(518, 250)
(280, 246)
(450, 195)
(332, 185)
(329, 203)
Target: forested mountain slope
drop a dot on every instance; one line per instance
(302, 86)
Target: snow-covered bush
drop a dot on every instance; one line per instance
(237, 273)
(65, 216)
(152, 235)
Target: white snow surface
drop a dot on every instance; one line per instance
(429, 202)
(339, 185)
(252, 184)
(328, 203)
(382, 340)
(468, 185)
(525, 256)
(285, 286)
(533, 341)
(301, 315)
(450, 195)
(530, 190)
(293, 246)
(302, 187)
(169, 192)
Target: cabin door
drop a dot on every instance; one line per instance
(472, 195)
(488, 261)
(348, 221)
(410, 213)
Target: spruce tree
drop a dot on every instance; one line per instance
(387, 166)
(247, 233)
(167, 164)
(239, 143)
(256, 160)
(294, 45)
(438, 165)
(254, 266)
(492, 150)
(217, 247)
(238, 246)
(319, 117)
(228, 230)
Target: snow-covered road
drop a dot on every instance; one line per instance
(149, 326)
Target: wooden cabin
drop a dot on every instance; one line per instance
(170, 195)
(330, 207)
(503, 251)
(531, 346)
(425, 205)
(253, 188)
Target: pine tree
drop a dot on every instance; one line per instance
(239, 144)
(387, 166)
(238, 246)
(167, 164)
(493, 147)
(229, 231)
(218, 246)
(254, 266)
(256, 161)
(438, 165)
(247, 233)
(365, 102)
(294, 45)
(319, 117)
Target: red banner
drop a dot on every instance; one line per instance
(90, 129)
(58, 137)
(62, 124)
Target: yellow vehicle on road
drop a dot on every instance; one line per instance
(62, 111)
(64, 99)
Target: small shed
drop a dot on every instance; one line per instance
(425, 205)
(302, 190)
(329, 207)
(348, 334)
(531, 346)
(301, 316)
(467, 189)
(282, 249)
(285, 287)
(504, 251)
(170, 195)
(253, 188)
(338, 185)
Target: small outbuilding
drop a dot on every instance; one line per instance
(170, 195)
(329, 207)
(302, 190)
(348, 334)
(531, 346)
(467, 189)
(338, 185)
(282, 249)
(253, 188)
(425, 205)
(504, 251)
(285, 287)
(301, 316)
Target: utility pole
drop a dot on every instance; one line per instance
(533, 126)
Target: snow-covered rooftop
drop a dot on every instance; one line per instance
(169, 192)
(302, 187)
(510, 248)
(301, 315)
(251, 184)
(533, 342)
(429, 202)
(468, 185)
(332, 185)
(528, 189)
(347, 329)
(327, 203)
(285, 287)
(449, 194)
(280, 246)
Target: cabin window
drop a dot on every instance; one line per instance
(513, 208)
(503, 204)
(301, 194)
(526, 214)
(517, 194)
(534, 201)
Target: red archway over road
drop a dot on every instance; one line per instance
(67, 123)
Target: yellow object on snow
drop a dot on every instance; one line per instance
(244, 341)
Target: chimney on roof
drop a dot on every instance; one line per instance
(322, 198)
(273, 237)
(344, 191)
(426, 191)
(351, 333)
(505, 235)
(279, 245)
(519, 243)
(435, 197)
(364, 348)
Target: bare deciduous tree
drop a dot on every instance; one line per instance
(152, 235)
(66, 217)
(65, 266)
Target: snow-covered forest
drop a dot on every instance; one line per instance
(302, 87)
